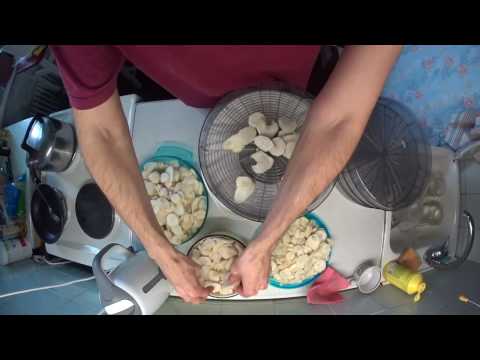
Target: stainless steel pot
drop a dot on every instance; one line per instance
(50, 144)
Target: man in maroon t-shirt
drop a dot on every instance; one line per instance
(199, 76)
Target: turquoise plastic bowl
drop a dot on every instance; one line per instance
(311, 279)
(170, 152)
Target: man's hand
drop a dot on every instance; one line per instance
(183, 274)
(249, 273)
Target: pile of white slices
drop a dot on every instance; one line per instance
(177, 198)
(215, 255)
(277, 139)
(302, 252)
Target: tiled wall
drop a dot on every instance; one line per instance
(470, 188)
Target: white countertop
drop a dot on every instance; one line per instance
(358, 232)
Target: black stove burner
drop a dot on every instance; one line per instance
(94, 213)
(48, 227)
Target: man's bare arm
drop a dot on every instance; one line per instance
(333, 128)
(109, 155)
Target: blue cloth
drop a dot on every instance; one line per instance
(436, 82)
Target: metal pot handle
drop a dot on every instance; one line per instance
(24, 144)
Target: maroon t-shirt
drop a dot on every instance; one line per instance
(198, 75)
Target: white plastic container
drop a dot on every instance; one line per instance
(14, 250)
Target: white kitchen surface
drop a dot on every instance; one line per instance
(358, 232)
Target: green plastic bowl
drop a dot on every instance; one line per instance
(311, 279)
(169, 153)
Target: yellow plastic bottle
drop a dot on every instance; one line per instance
(405, 279)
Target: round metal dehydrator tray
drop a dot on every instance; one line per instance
(391, 165)
(220, 168)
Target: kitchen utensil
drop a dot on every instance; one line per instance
(50, 144)
(48, 211)
(391, 165)
(135, 287)
(443, 258)
(226, 237)
(36, 181)
(171, 152)
(220, 168)
(367, 277)
(467, 300)
(311, 279)
(49, 208)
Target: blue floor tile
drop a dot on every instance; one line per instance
(27, 274)
(73, 308)
(299, 306)
(389, 296)
(89, 299)
(356, 303)
(459, 308)
(37, 303)
(77, 270)
(69, 292)
(406, 309)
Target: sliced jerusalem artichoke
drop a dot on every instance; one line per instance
(161, 190)
(179, 210)
(263, 143)
(269, 130)
(150, 187)
(172, 220)
(237, 142)
(289, 150)
(248, 134)
(187, 222)
(245, 187)
(287, 126)
(166, 180)
(258, 121)
(154, 177)
(233, 143)
(263, 162)
(216, 257)
(278, 147)
(148, 168)
(303, 255)
(291, 137)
